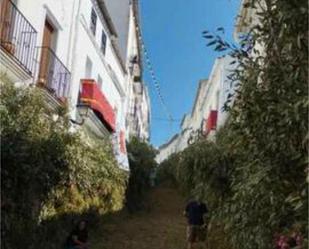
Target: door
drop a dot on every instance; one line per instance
(46, 54)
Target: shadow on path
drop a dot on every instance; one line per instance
(160, 227)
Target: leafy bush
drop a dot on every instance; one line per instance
(263, 150)
(202, 171)
(142, 167)
(49, 175)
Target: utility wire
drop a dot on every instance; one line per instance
(167, 120)
(151, 71)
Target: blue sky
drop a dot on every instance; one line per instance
(172, 32)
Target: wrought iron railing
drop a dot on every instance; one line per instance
(53, 74)
(17, 36)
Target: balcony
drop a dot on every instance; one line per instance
(17, 42)
(211, 123)
(93, 96)
(135, 69)
(53, 75)
(136, 72)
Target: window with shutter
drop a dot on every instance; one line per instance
(103, 42)
(93, 22)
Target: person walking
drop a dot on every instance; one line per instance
(195, 212)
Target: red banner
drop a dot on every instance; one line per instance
(92, 95)
(211, 123)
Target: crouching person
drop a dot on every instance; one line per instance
(78, 238)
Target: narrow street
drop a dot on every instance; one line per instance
(161, 227)
(102, 100)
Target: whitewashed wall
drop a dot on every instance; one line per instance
(74, 43)
(211, 95)
(60, 14)
(168, 149)
(141, 101)
(105, 66)
(131, 52)
(226, 88)
(145, 114)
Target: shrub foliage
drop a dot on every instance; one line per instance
(142, 167)
(50, 175)
(254, 175)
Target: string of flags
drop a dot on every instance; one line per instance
(151, 71)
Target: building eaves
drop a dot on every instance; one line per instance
(201, 82)
(107, 18)
(169, 142)
(112, 30)
(117, 52)
(136, 14)
(183, 119)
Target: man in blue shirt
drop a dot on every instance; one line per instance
(195, 212)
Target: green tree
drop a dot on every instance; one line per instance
(49, 175)
(142, 167)
(264, 145)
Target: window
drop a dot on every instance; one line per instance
(88, 71)
(100, 82)
(93, 22)
(103, 42)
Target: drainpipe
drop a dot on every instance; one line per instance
(72, 49)
(71, 33)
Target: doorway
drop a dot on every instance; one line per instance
(46, 54)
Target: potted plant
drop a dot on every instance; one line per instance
(9, 47)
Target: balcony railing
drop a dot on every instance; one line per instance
(17, 36)
(53, 74)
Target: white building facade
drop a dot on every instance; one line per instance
(99, 73)
(167, 149)
(138, 115)
(207, 114)
(77, 52)
(34, 43)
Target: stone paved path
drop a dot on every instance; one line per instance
(162, 227)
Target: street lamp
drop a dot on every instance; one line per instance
(83, 112)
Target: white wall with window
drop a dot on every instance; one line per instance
(81, 34)
(93, 41)
(211, 95)
(167, 149)
(59, 14)
(138, 103)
